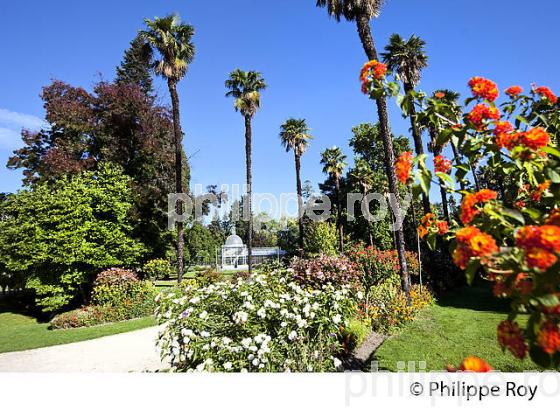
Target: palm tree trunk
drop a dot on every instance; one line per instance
(300, 199)
(457, 161)
(417, 137)
(369, 229)
(178, 141)
(339, 216)
(364, 31)
(248, 137)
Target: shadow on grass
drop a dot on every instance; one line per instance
(477, 297)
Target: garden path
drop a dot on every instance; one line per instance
(126, 352)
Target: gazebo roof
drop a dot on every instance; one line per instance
(234, 240)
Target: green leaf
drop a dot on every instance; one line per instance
(549, 300)
(472, 268)
(425, 181)
(551, 151)
(446, 178)
(553, 175)
(514, 214)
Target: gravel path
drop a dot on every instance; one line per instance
(357, 360)
(126, 352)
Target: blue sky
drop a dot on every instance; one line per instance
(310, 62)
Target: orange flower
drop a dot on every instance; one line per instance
(372, 70)
(511, 338)
(474, 364)
(484, 88)
(550, 237)
(473, 243)
(439, 95)
(503, 127)
(540, 190)
(534, 138)
(468, 210)
(514, 91)
(443, 227)
(442, 165)
(403, 166)
(540, 258)
(549, 337)
(482, 112)
(547, 93)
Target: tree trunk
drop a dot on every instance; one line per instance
(178, 141)
(417, 137)
(364, 31)
(248, 137)
(369, 229)
(339, 216)
(300, 199)
(457, 161)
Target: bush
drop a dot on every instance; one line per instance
(321, 238)
(355, 332)
(267, 324)
(388, 308)
(115, 277)
(85, 317)
(323, 270)
(157, 269)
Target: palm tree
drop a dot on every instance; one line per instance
(407, 58)
(245, 87)
(333, 161)
(364, 177)
(172, 40)
(294, 135)
(361, 12)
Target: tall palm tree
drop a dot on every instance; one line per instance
(364, 177)
(334, 162)
(172, 40)
(245, 88)
(362, 12)
(407, 58)
(294, 136)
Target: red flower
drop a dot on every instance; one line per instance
(534, 138)
(549, 337)
(540, 258)
(511, 338)
(442, 165)
(473, 243)
(482, 112)
(474, 364)
(484, 88)
(372, 70)
(403, 166)
(540, 190)
(439, 95)
(468, 210)
(514, 91)
(443, 227)
(547, 93)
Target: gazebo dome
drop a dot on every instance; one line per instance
(234, 240)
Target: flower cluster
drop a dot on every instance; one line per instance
(472, 364)
(481, 113)
(372, 71)
(473, 243)
(514, 91)
(323, 270)
(546, 93)
(549, 337)
(429, 223)
(266, 324)
(511, 337)
(484, 88)
(441, 164)
(470, 201)
(403, 166)
(540, 244)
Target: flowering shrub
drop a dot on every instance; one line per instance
(516, 242)
(323, 270)
(85, 317)
(115, 277)
(388, 308)
(267, 324)
(157, 269)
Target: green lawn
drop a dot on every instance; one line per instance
(463, 323)
(20, 332)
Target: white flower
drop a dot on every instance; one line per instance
(261, 313)
(227, 365)
(336, 319)
(240, 317)
(246, 342)
(336, 362)
(244, 371)
(360, 295)
(255, 362)
(194, 301)
(292, 335)
(283, 324)
(203, 314)
(226, 341)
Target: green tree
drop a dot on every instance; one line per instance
(333, 161)
(59, 236)
(364, 177)
(294, 136)
(321, 237)
(245, 87)
(408, 59)
(200, 245)
(362, 12)
(136, 65)
(173, 42)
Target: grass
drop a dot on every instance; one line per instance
(463, 323)
(21, 332)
